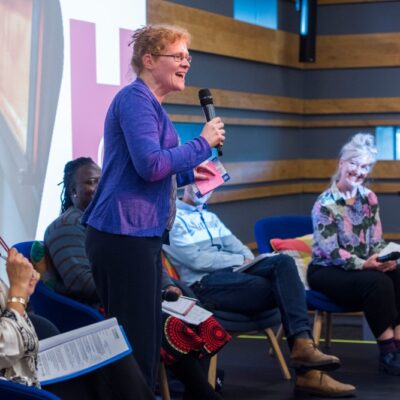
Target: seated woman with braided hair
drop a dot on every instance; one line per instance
(185, 349)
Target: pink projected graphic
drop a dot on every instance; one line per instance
(90, 100)
(55, 89)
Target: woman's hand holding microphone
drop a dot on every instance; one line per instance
(214, 132)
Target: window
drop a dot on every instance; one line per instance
(388, 142)
(258, 12)
(188, 131)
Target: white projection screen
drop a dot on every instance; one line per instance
(61, 62)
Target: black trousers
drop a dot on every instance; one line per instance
(127, 273)
(374, 292)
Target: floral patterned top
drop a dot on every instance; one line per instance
(18, 344)
(346, 235)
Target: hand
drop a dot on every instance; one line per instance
(214, 132)
(371, 262)
(388, 266)
(202, 172)
(32, 283)
(174, 289)
(246, 260)
(21, 275)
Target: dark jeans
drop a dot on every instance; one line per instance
(374, 292)
(272, 282)
(127, 273)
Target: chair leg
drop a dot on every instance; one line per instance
(328, 329)
(279, 336)
(317, 326)
(275, 345)
(164, 387)
(212, 371)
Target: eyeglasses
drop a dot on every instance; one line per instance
(177, 57)
(363, 168)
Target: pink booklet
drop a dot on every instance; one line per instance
(207, 185)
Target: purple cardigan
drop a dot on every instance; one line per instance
(141, 155)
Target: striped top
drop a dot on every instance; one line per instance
(69, 268)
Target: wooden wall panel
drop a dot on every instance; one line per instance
(222, 35)
(239, 100)
(357, 51)
(259, 102)
(250, 172)
(227, 196)
(352, 106)
(291, 123)
(262, 171)
(282, 170)
(217, 34)
(326, 2)
(277, 172)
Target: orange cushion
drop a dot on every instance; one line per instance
(171, 271)
(300, 249)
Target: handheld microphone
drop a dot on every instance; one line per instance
(206, 102)
(389, 257)
(169, 295)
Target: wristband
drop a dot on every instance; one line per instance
(17, 299)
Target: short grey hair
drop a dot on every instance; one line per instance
(360, 145)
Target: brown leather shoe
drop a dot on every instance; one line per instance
(317, 383)
(305, 354)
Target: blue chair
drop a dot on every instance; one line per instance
(16, 391)
(65, 313)
(237, 324)
(291, 226)
(68, 314)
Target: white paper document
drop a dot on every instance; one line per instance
(181, 306)
(390, 248)
(195, 316)
(81, 350)
(256, 259)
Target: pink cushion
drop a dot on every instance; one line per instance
(300, 249)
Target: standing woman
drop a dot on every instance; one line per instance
(347, 241)
(134, 206)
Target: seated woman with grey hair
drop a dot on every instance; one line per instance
(347, 241)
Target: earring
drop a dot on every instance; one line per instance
(75, 195)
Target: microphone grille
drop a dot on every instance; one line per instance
(205, 97)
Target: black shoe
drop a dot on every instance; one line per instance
(390, 363)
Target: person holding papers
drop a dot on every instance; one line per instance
(205, 252)
(347, 243)
(18, 341)
(19, 345)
